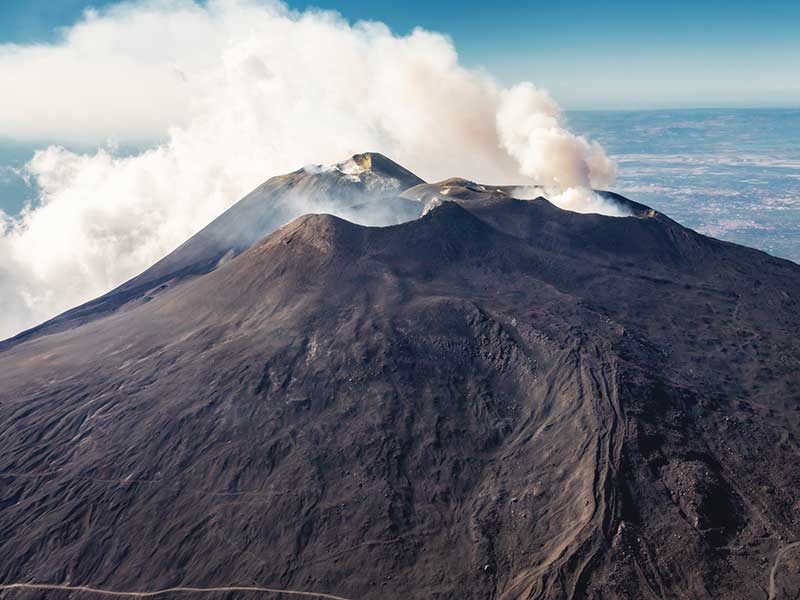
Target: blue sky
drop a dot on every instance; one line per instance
(614, 54)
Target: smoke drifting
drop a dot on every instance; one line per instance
(531, 129)
(241, 90)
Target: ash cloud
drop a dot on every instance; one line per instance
(237, 91)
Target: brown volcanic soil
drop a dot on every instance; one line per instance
(499, 400)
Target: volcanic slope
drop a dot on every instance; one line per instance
(365, 189)
(499, 399)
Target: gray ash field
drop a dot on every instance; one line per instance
(496, 399)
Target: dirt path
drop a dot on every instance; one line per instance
(174, 590)
(775, 565)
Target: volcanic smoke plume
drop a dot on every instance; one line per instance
(237, 91)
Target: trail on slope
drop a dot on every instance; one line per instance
(173, 590)
(774, 571)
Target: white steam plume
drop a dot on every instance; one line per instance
(531, 129)
(239, 90)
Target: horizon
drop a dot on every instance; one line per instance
(18, 190)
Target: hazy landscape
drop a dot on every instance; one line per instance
(733, 174)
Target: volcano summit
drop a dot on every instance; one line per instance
(444, 392)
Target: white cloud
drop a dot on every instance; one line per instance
(239, 90)
(531, 129)
(128, 73)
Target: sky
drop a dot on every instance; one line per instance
(618, 54)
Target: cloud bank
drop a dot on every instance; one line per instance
(237, 91)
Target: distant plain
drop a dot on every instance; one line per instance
(732, 174)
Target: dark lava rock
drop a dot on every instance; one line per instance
(499, 399)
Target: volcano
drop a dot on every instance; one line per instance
(444, 392)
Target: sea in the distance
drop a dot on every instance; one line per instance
(731, 174)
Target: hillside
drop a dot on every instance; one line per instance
(496, 399)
